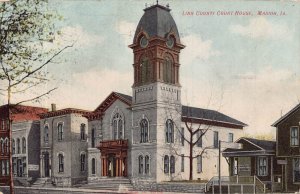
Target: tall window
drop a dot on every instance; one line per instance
(294, 136)
(182, 136)
(60, 163)
(230, 137)
(216, 139)
(166, 164)
(46, 134)
(144, 131)
(199, 164)
(93, 137)
(23, 145)
(82, 132)
(169, 131)
(6, 146)
(1, 146)
(262, 166)
(82, 162)
(146, 70)
(18, 146)
(13, 146)
(199, 138)
(117, 124)
(296, 169)
(141, 164)
(168, 70)
(147, 164)
(172, 164)
(60, 131)
(182, 163)
(235, 166)
(93, 166)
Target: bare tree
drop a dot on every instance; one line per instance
(27, 33)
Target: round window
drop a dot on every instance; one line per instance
(170, 42)
(144, 42)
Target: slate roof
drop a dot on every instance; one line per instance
(193, 112)
(157, 21)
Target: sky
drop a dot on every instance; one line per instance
(245, 66)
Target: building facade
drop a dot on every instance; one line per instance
(63, 151)
(287, 149)
(25, 142)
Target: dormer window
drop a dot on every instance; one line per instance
(144, 42)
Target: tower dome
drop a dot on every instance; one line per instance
(157, 22)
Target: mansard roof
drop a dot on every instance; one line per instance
(64, 112)
(210, 116)
(157, 22)
(22, 112)
(288, 114)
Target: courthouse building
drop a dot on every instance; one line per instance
(141, 136)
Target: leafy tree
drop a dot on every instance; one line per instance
(27, 46)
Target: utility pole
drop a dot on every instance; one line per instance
(220, 185)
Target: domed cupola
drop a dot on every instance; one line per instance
(156, 47)
(157, 22)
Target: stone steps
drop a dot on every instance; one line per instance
(114, 184)
(41, 182)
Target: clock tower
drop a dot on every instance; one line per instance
(156, 88)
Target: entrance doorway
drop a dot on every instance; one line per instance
(111, 166)
(46, 164)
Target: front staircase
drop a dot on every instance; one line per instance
(108, 183)
(42, 182)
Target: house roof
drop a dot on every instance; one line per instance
(292, 111)
(64, 112)
(206, 114)
(22, 112)
(252, 147)
(157, 22)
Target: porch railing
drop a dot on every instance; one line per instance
(240, 183)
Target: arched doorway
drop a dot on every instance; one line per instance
(114, 158)
(46, 164)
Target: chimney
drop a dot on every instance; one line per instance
(53, 107)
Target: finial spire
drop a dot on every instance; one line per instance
(156, 2)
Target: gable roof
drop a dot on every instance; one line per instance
(252, 147)
(292, 111)
(209, 115)
(111, 98)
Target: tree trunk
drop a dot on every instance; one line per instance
(191, 158)
(11, 178)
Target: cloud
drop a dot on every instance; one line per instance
(197, 49)
(260, 27)
(126, 30)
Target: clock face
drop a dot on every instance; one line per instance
(144, 42)
(170, 42)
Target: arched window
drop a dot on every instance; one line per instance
(172, 164)
(166, 164)
(23, 145)
(147, 164)
(144, 130)
(141, 164)
(6, 147)
(13, 146)
(18, 146)
(146, 70)
(60, 163)
(169, 131)
(46, 134)
(167, 70)
(82, 162)
(93, 166)
(117, 124)
(82, 131)
(60, 131)
(93, 137)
